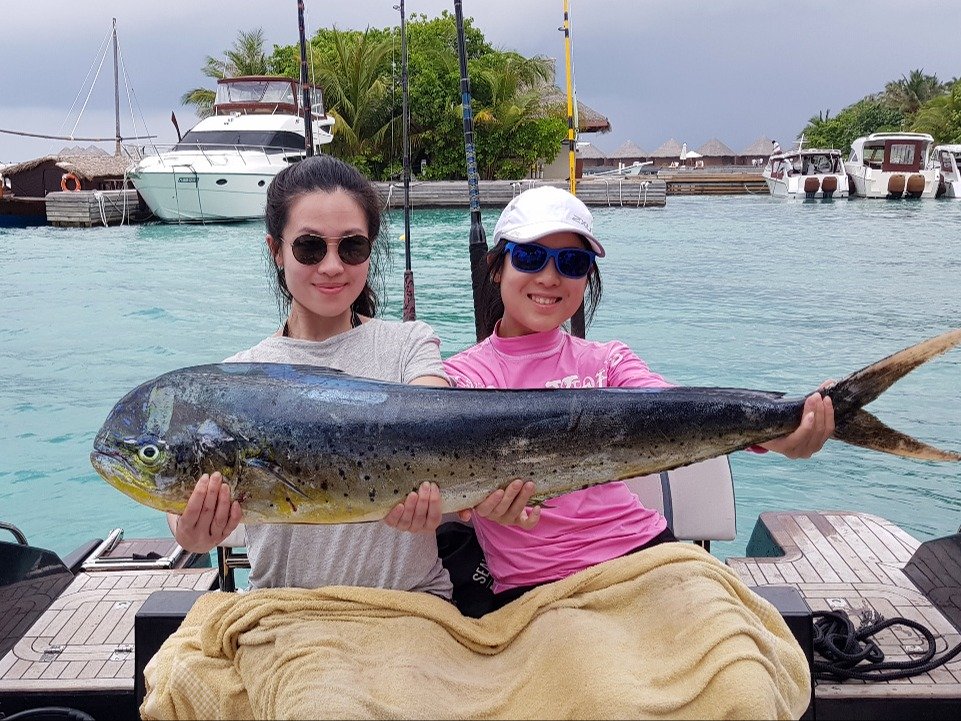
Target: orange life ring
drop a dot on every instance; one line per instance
(65, 178)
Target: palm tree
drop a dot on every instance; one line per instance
(941, 117)
(357, 92)
(510, 91)
(912, 91)
(246, 57)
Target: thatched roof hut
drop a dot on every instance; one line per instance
(555, 99)
(716, 153)
(757, 152)
(629, 152)
(714, 148)
(35, 178)
(669, 149)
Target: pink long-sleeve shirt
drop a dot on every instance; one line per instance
(578, 529)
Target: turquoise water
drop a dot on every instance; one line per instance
(731, 291)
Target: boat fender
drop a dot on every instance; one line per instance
(69, 177)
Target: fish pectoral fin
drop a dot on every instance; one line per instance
(865, 430)
(259, 467)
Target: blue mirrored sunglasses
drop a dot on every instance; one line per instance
(532, 258)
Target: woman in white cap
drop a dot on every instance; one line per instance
(542, 264)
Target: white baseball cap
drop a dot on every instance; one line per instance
(544, 210)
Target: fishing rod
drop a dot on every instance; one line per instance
(304, 87)
(478, 238)
(410, 312)
(577, 321)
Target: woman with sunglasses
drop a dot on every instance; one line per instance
(543, 261)
(323, 222)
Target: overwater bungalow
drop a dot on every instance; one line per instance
(714, 153)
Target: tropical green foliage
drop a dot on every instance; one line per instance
(941, 117)
(908, 94)
(916, 101)
(869, 115)
(245, 57)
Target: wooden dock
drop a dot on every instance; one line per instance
(703, 182)
(627, 192)
(856, 562)
(92, 208)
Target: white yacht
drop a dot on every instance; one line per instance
(892, 165)
(948, 159)
(220, 169)
(809, 173)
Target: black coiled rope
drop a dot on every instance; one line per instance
(851, 653)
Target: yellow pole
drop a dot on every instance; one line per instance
(571, 130)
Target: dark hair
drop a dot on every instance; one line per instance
(326, 174)
(491, 305)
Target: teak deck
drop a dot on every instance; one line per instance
(853, 562)
(84, 641)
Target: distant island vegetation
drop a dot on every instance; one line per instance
(516, 115)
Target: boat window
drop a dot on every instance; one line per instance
(241, 139)
(946, 162)
(317, 102)
(874, 155)
(902, 153)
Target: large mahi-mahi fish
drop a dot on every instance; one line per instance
(299, 444)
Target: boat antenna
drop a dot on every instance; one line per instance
(577, 321)
(304, 86)
(410, 312)
(478, 239)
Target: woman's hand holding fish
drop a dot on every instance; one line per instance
(209, 517)
(419, 513)
(817, 425)
(508, 506)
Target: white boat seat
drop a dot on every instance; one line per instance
(697, 500)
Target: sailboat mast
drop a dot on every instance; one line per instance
(116, 88)
(410, 312)
(571, 130)
(304, 87)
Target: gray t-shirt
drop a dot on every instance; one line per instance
(354, 554)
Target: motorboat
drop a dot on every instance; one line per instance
(892, 165)
(809, 173)
(220, 169)
(948, 159)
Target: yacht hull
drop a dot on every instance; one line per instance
(180, 195)
(872, 183)
(802, 187)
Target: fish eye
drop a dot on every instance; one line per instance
(149, 454)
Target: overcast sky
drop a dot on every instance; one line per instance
(727, 69)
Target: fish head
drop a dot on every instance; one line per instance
(155, 444)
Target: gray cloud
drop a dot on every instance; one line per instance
(728, 69)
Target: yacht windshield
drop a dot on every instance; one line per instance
(255, 91)
(267, 140)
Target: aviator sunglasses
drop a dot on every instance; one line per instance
(311, 249)
(532, 258)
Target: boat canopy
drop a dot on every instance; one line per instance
(264, 94)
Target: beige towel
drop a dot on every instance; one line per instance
(670, 632)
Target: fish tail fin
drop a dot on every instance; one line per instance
(860, 428)
(865, 430)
